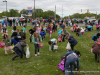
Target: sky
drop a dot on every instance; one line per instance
(69, 6)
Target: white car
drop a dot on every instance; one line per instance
(89, 21)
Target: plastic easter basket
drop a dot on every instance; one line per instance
(2, 45)
(41, 45)
(25, 31)
(50, 31)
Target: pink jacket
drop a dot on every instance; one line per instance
(97, 25)
(38, 29)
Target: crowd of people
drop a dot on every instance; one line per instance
(14, 22)
(37, 35)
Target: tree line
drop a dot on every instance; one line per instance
(77, 15)
(38, 13)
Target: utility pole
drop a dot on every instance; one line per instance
(6, 7)
(96, 15)
(34, 10)
(62, 12)
(55, 12)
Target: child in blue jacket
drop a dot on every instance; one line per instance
(95, 37)
(71, 40)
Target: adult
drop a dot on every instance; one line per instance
(72, 41)
(26, 22)
(99, 21)
(49, 20)
(85, 21)
(71, 57)
(10, 22)
(3, 22)
(16, 22)
(6, 22)
(13, 21)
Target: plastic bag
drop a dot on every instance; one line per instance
(55, 47)
(68, 46)
(27, 52)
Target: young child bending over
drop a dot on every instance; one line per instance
(52, 42)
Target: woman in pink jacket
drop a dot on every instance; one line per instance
(38, 28)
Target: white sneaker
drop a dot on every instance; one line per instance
(38, 53)
(35, 54)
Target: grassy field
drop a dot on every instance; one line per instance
(46, 63)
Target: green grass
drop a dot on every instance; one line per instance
(43, 64)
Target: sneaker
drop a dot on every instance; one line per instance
(6, 54)
(14, 52)
(55, 51)
(38, 53)
(35, 54)
(50, 50)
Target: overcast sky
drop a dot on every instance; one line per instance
(69, 6)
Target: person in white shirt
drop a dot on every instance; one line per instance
(52, 42)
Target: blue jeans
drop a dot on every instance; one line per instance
(96, 53)
(26, 24)
(36, 47)
(53, 46)
(70, 61)
(13, 23)
(2, 24)
(8, 24)
(19, 53)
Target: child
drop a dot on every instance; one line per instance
(7, 44)
(60, 31)
(42, 33)
(38, 28)
(60, 38)
(63, 26)
(31, 31)
(49, 29)
(19, 49)
(96, 36)
(14, 29)
(54, 27)
(24, 28)
(78, 31)
(52, 42)
(37, 40)
(15, 33)
(74, 28)
(97, 26)
(72, 41)
(22, 33)
(96, 50)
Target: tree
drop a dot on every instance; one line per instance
(13, 13)
(23, 11)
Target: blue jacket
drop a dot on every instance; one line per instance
(3, 21)
(90, 27)
(60, 32)
(74, 54)
(95, 36)
(72, 41)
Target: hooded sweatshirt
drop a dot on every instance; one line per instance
(96, 47)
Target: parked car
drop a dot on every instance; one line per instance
(1, 20)
(91, 20)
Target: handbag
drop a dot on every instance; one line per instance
(61, 65)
